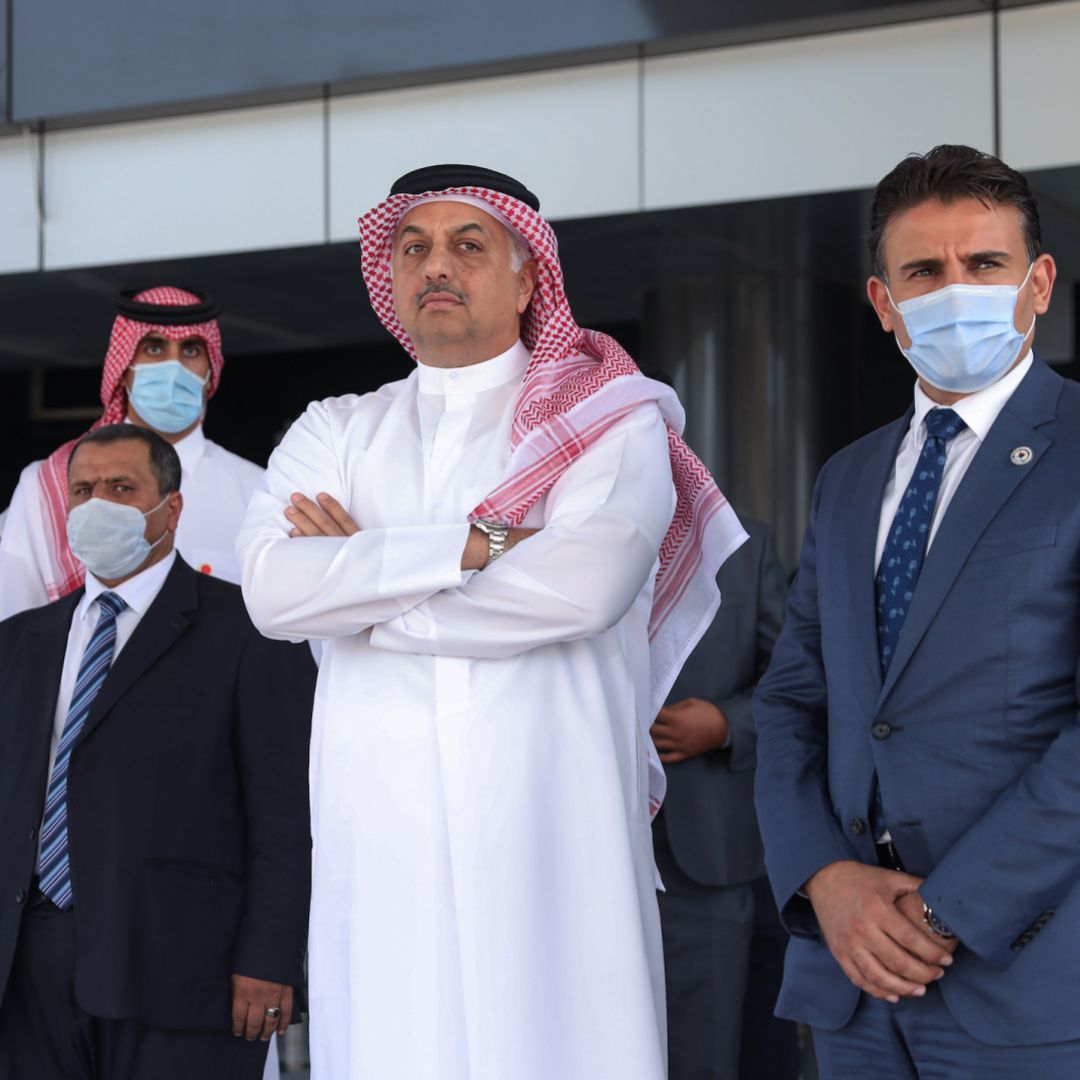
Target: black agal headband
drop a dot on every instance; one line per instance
(166, 314)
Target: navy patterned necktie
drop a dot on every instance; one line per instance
(904, 551)
(54, 870)
(905, 545)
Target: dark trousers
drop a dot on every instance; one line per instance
(918, 1039)
(770, 1046)
(707, 933)
(46, 1035)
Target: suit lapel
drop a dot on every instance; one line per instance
(165, 620)
(859, 558)
(988, 484)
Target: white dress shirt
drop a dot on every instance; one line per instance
(978, 411)
(484, 901)
(138, 593)
(216, 486)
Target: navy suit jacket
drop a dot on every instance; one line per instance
(974, 733)
(188, 823)
(709, 806)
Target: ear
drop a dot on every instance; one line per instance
(878, 293)
(527, 277)
(174, 506)
(1043, 276)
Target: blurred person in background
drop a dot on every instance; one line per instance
(721, 958)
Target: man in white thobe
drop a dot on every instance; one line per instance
(484, 889)
(165, 342)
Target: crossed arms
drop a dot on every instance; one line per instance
(317, 573)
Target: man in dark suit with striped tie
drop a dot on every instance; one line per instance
(154, 860)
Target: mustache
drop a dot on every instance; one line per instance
(437, 287)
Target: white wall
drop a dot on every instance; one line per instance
(192, 185)
(570, 135)
(18, 204)
(813, 114)
(1040, 86)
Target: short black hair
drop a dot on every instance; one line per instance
(946, 173)
(164, 461)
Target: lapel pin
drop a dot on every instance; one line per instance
(1021, 455)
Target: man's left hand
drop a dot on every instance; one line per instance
(322, 516)
(250, 1000)
(689, 728)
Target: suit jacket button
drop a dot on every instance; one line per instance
(33, 834)
(20, 896)
(881, 730)
(857, 826)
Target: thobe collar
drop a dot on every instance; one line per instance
(474, 378)
(189, 449)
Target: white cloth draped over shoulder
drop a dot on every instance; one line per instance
(483, 903)
(216, 486)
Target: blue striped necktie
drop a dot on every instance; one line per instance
(54, 870)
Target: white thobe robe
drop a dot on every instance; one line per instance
(484, 901)
(215, 483)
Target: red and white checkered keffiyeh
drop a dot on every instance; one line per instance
(64, 573)
(578, 385)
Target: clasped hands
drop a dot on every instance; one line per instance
(325, 516)
(872, 921)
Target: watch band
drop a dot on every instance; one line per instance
(496, 534)
(935, 924)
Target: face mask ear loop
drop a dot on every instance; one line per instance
(1019, 289)
(155, 509)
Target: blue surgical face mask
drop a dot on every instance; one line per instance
(963, 337)
(167, 395)
(109, 538)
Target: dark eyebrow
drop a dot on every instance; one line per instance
(982, 256)
(974, 257)
(921, 264)
(414, 229)
(469, 225)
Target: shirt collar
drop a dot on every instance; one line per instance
(138, 592)
(475, 378)
(978, 410)
(189, 449)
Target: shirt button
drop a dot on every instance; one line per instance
(857, 826)
(20, 896)
(881, 730)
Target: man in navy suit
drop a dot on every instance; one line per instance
(918, 783)
(155, 855)
(706, 839)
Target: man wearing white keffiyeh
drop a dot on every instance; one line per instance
(482, 775)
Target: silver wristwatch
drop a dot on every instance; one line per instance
(496, 535)
(935, 925)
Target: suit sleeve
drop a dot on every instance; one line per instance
(800, 831)
(324, 587)
(274, 694)
(1001, 881)
(575, 578)
(771, 594)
